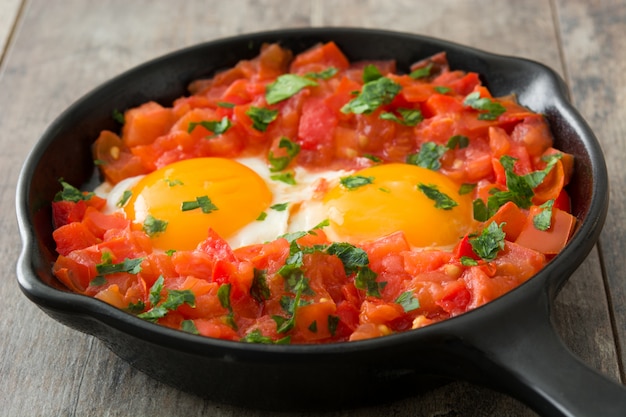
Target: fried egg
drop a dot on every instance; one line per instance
(242, 200)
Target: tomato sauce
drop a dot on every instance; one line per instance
(303, 288)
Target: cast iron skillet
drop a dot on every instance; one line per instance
(508, 344)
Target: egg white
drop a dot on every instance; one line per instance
(304, 211)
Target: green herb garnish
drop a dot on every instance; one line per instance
(204, 203)
(261, 117)
(442, 200)
(286, 86)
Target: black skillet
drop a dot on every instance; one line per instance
(509, 344)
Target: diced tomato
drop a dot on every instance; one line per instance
(551, 241)
(319, 58)
(73, 236)
(143, 124)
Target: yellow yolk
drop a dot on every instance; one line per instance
(393, 201)
(236, 193)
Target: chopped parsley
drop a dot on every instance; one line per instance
(373, 95)
(126, 195)
(261, 117)
(422, 72)
(189, 326)
(217, 127)
(225, 104)
(489, 242)
(371, 73)
(365, 279)
(153, 226)
(352, 257)
(408, 117)
(460, 141)
(543, 220)
(327, 74)
(278, 163)
(173, 183)
(204, 203)
(355, 181)
(261, 217)
(428, 156)
(173, 300)
(223, 295)
(466, 188)
(255, 336)
(71, 193)
(132, 266)
(280, 206)
(286, 177)
(408, 301)
(286, 86)
(442, 89)
(118, 116)
(442, 200)
(490, 109)
(259, 289)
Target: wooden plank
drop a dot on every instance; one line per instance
(8, 16)
(48, 369)
(594, 47)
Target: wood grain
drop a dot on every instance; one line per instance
(63, 48)
(593, 44)
(8, 15)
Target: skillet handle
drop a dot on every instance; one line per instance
(530, 361)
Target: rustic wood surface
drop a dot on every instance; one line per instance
(54, 51)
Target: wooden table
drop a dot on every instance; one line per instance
(54, 51)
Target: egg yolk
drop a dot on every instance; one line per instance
(384, 199)
(177, 204)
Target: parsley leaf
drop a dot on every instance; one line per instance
(174, 299)
(371, 73)
(204, 203)
(408, 301)
(223, 295)
(213, 126)
(409, 117)
(126, 195)
(286, 86)
(460, 141)
(286, 177)
(261, 117)
(489, 242)
(492, 109)
(466, 188)
(259, 289)
(373, 95)
(422, 72)
(355, 181)
(352, 257)
(261, 217)
(365, 279)
(442, 201)
(71, 193)
(281, 162)
(153, 226)
(280, 206)
(132, 266)
(189, 326)
(428, 156)
(543, 220)
(118, 116)
(328, 73)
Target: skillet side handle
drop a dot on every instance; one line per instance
(531, 362)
